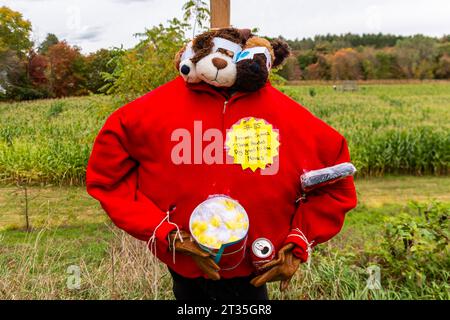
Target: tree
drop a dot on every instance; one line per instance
(15, 43)
(15, 32)
(65, 72)
(37, 67)
(416, 55)
(443, 67)
(369, 63)
(97, 64)
(49, 41)
(14, 78)
(305, 58)
(321, 70)
(12, 72)
(387, 65)
(346, 65)
(290, 69)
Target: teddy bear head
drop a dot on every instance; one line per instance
(230, 58)
(211, 57)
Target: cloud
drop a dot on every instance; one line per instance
(89, 34)
(107, 23)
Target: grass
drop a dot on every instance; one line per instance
(380, 191)
(390, 128)
(71, 229)
(49, 141)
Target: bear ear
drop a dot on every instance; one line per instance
(281, 50)
(246, 34)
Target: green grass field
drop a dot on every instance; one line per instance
(399, 136)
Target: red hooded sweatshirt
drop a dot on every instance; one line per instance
(133, 174)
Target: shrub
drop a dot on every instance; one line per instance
(415, 247)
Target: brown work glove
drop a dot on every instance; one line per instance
(281, 269)
(189, 247)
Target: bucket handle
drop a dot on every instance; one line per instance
(243, 248)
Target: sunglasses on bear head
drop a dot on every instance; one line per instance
(249, 53)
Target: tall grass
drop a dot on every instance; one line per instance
(38, 269)
(390, 129)
(41, 268)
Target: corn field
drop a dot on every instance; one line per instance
(402, 129)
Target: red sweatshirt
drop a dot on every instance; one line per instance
(132, 173)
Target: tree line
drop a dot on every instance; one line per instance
(54, 68)
(368, 56)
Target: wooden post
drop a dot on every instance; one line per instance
(220, 14)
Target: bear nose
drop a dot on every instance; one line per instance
(219, 63)
(185, 70)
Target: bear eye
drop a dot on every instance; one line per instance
(229, 53)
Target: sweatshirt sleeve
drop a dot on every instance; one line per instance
(112, 179)
(321, 216)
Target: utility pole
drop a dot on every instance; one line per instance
(220, 14)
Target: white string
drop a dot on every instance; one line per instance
(309, 245)
(177, 234)
(152, 241)
(152, 245)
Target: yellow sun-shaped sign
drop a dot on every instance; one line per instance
(253, 143)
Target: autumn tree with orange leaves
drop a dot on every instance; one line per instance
(65, 70)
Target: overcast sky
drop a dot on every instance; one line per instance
(94, 24)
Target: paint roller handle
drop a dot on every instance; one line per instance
(318, 178)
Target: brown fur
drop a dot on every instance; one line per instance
(251, 74)
(281, 50)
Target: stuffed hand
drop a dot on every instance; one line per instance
(281, 269)
(189, 247)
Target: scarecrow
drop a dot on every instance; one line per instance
(218, 171)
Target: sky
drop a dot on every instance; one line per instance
(95, 24)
